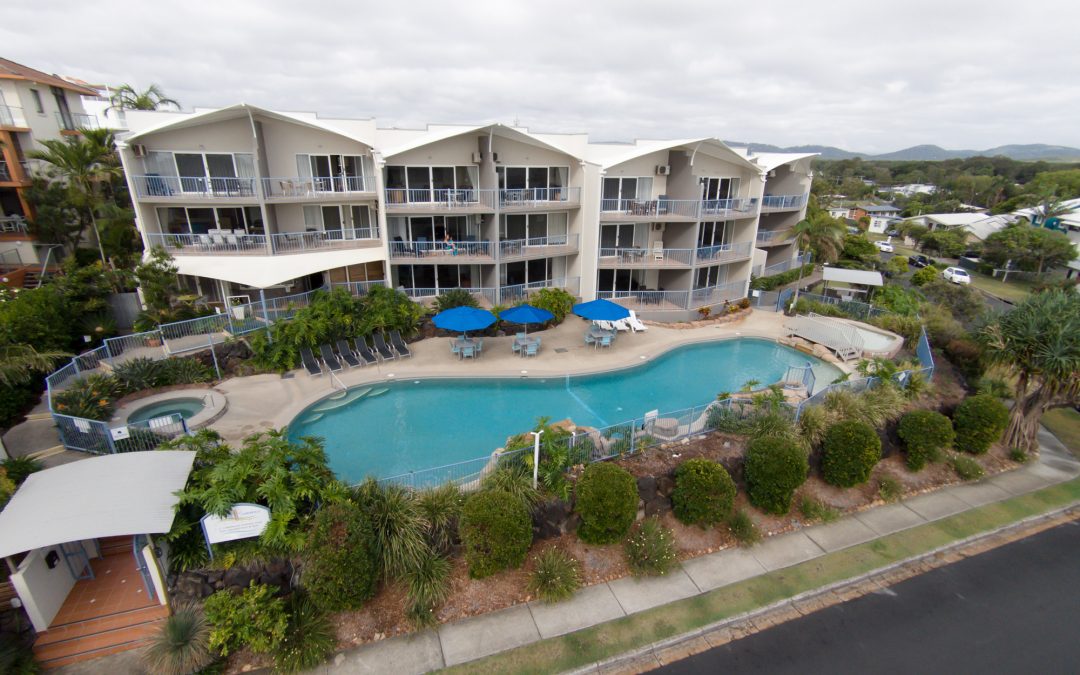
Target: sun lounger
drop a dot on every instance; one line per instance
(399, 345)
(310, 363)
(635, 323)
(329, 359)
(385, 353)
(365, 352)
(621, 325)
(347, 354)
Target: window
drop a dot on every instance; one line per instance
(714, 234)
(336, 173)
(707, 277)
(618, 191)
(62, 106)
(533, 226)
(38, 106)
(180, 220)
(719, 188)
(431, 183)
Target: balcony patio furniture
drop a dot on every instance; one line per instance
(635, 323)
(658, 251)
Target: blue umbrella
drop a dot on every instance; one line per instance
(464, 319)
(601, 310)
(526, 314)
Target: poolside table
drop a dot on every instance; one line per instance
(457, 343)
(522, 343)
(595, 333)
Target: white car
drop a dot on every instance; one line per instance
(957, 275)
(884, 246)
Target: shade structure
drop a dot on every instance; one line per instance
(526, 314)
(601, 310)
(462, 319)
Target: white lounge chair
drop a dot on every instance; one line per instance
(621, 325)
(635, 323)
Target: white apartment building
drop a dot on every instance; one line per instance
(256, 203)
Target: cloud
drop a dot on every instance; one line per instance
(870, 77)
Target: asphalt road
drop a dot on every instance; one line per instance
(1015, 609)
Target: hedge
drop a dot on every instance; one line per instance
(850, 452)
(341, 559)
(782, 279)
(775, 468)
(704, 492)
(979, 422)
(496, 531)
(607, 501)
(926, 434)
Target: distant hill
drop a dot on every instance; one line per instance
(1024, 153)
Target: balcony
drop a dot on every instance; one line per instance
(400, 200)
(8, 173)
(505, 295)
(436, 252)
(657, 300)
(537, 247)
(223, 242)
(774, 237)
(75, 121)
(678, 258)
(539, 199)
(723, 253)
(13, 225)
(172, 188)
(676, 210)
(490, 296)
(780, 268)
(11, 116)
(333, 187)
(775, 203)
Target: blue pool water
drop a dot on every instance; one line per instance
(395, 427)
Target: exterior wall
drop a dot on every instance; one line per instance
(456, 151)
(227, 136)
(285, 141)
(43, 590)
(644, 166)
(43, 125)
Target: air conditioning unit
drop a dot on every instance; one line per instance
(138, 149)
(663, 170)
(658, 227)
(772, 174)
(495, 157)
(476, 156)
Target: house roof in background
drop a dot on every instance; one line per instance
(10, 70)
(863, 277)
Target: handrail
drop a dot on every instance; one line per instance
(517, 247)
(188, 187)
(442, 198)
(510, 198)
(420, 249)
(296, 187)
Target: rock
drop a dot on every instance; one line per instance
(214, 576)
(238, 577)
(657, 507)
(646, 487)
(640, 513)
(550, 518)
(665, 485)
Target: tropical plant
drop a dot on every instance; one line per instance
(252, 618)
(820, 234)
(704, 492)
(966, 468)
(815, 510)
(20, 362)
(650, 549)
(441, 507)
(92, 397)
(329, 316)
(308, 638)
(341, 561)
(126, 97)
(607, 500)
(1038, 343)
(890, 489)
(455, 297)
(775, 468)
(387, 309)
(924, 276)
(157, 277)
(926, 435)
(556, 575)
(399, 523)
(7, 488)
(514, 480)
(17, 656)
(427, 584)
(19, 468)
(496, 531)
(851, 451)
(558, 301)
(979, 421)
(182, 646)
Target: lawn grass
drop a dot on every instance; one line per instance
(607, 640)
(1065, 424)
(1013, 291)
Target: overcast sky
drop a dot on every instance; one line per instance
(851, 74)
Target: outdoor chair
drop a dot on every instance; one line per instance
(455, 347)
(347, 354)
(329, 359)
(605, 340)
(385, 353)
(532, 348)
(515, 346)
(590, 340)
(398, 344)
(364, 351)
(635, 323)
(479, 343)
(468, 351)
(311, 364)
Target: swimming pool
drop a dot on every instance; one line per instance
(186, 407)
(389, 428)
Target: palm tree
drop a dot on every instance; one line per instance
(126, 97)
(1038, 342)
(1047, 206)
(823, 236)
(18, 363)
(84, 165)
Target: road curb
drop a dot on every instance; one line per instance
(630, 659)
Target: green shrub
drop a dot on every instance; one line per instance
(182, 645)
(513, 480)
(926, 434)
(743, 529)
(1018, 455)
(341, 559)
(650, 549)
(253, 618)
(782, 279)
(455, 297)
(966, 355)
(607, 499)
(441, 507)
(400, 527)
(994, 386)
(775, 468)
(814, 510)
(890, 489)
(979, 420)
(558, 301)
(15, 401)
(966, 467)
(19, 468)
(92, 397)
(496, 530)
(850, 452)
(308, 639)
(427, 584)
(17, 655)
(556, 575)
(924, 276)
(704, 492)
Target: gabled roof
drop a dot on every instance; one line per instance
(953, 219)
(258, 271)
(240, 110)
(878, 208)
(444, 133)
(107, 496)
(771, 160)
(609, 155)
(10, 70)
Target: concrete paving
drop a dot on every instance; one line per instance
(637, 595)
(979, 494)
(589, 606)
(936, 505)
(481, 636)
(405, 655)
(890, 518)
(724, 568)
(841, 534)
(786, 550)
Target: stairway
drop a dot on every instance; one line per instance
(115, 545)
(89, 639)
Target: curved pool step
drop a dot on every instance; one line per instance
(378, 392)
(340, 399)
(315, 417)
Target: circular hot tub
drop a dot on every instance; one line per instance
(198, 407)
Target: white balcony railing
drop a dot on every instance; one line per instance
(708, 255)
(773, 236)
(423, 248)
(302, 242)
(783, 202)
(515, 248)
(194, 187)
(651, 257)
(76, 121)
(539, 197)
(440, 199)
(658, 300)
(5, 173)
(514, 293)
(223, 242)
(12, 116)
(12, 225)
(491, 295)
(715, 295)
(656, 208)
(780, 268)
(729, 208)
(311, 188)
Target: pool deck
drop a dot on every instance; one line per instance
(260, 402)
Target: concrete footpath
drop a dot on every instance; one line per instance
(474, 638)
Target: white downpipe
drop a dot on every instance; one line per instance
(536, 455)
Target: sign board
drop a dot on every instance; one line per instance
(120, 433)
(242, 522)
